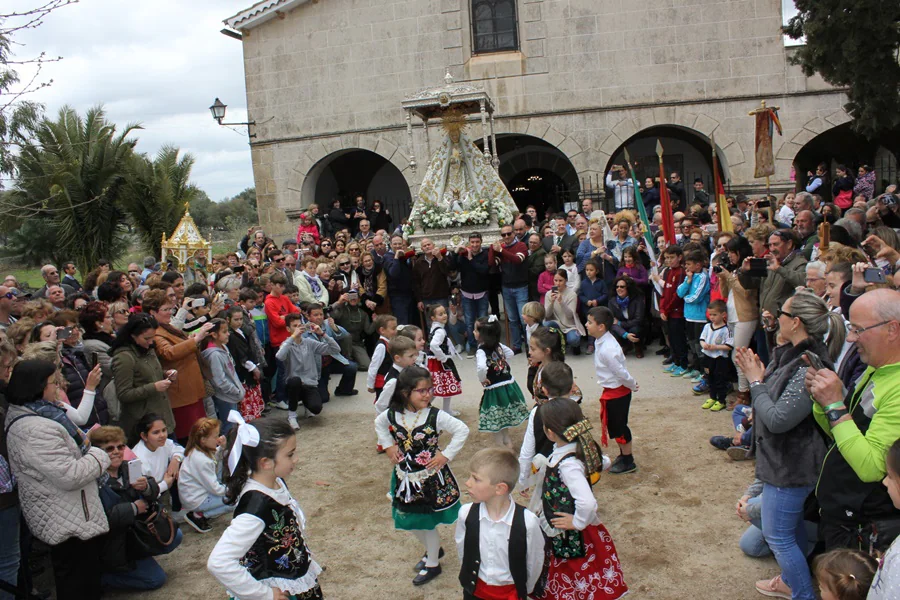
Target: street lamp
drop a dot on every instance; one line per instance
(218, 114)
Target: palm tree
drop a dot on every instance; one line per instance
(73, 174)
(156, 193)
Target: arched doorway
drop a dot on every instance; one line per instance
(843, 146)
(536, 173)
(349, 173)
(685, 151)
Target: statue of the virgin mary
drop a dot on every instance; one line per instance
(457, 178)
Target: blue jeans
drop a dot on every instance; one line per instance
(473, 310)
(9, 547)
(146, 575)
(457, 332)
(222, 410)
(785, 533)
(573, 338)
(214, 506)
(740, 411)
(753, 542)
(514, 298)
(400, 306)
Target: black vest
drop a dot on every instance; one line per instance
(518, 551)
(387, 363)
(280, 550)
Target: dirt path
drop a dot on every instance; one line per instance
(673, 521)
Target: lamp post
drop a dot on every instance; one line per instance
(218, 114)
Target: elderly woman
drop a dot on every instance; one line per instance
(180, 353)
(372, 284)
(124, 502)
(594, 248)
(96, 321)
(561, 308)
(629, 309)
(312, 289)
(789, 447)
(76, 368)
(345, 273)
(141, 384)
(57, 471)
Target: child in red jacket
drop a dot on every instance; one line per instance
(671, 311)
(307, 225)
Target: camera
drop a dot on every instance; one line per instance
(888, 199)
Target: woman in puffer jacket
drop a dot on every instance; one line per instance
(125, 502)
(57, 471)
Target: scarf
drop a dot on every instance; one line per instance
(48, 410)
(623, 303)
(100, 336)
(593, 460)
(314, 283)
(367, 279)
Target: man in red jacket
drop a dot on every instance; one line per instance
(671, 311)
(509, 254)
(277, 306)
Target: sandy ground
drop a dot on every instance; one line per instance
(673, 521)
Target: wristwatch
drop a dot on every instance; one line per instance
(834, 415)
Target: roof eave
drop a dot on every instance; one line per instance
(261, 12)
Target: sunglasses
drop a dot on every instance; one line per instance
(507, 234)
(344, 264)
(119, 447)
(279, 260)
(10, 295)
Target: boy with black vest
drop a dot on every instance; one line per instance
(500, 544)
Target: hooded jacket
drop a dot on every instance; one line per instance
(225, 381)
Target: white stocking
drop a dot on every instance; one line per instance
(446, 405)
(431, 539)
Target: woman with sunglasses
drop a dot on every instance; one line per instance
(790, 449)
(345, 273)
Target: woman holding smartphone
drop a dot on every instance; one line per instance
(560, 307)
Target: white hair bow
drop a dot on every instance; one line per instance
(247, 435)
(492, 318)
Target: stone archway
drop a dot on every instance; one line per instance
(350, 172)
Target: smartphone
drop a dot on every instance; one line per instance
(198, 302)
(135, 470)
(95, 358)
(763, 204)
(871, 275)
(758, 264)
(814, 361)
(64, 333)
(238, 269)
(171, 375)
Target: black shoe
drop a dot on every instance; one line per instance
(199, 523)
(421, 564)
(623, 464)
(722, 442)
(426, 575)
(347, 393)
(668, 361)
(664, 351)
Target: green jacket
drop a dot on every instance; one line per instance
(849, 487)
(779, 285)
(135, 372)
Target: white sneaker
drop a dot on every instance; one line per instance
(282, 405)
(292, 421)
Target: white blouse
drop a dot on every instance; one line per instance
(240, 536)
(459, 431)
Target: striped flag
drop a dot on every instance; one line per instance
(723, 216)
(639, 201)
(668, 219)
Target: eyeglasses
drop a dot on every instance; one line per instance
(621, 287)
(785, 313)
(119, 447)
(424, 391)
(858, 331)
(507, 234)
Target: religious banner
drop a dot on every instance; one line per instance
(766, 123)
(668, 219)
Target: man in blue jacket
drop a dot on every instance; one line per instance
(399, 279)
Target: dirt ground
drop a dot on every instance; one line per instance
(673, 521)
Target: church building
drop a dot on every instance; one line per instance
(573, 83)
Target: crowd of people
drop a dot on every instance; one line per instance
(161, 397)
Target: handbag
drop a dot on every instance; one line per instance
(152, 534)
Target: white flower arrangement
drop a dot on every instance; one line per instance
(477, 213)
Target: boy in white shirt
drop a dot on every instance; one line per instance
(500, 544)
(716, 344)
(617, 384)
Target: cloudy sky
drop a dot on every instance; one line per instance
(159, 63)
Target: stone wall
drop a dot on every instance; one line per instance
(591, 73)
